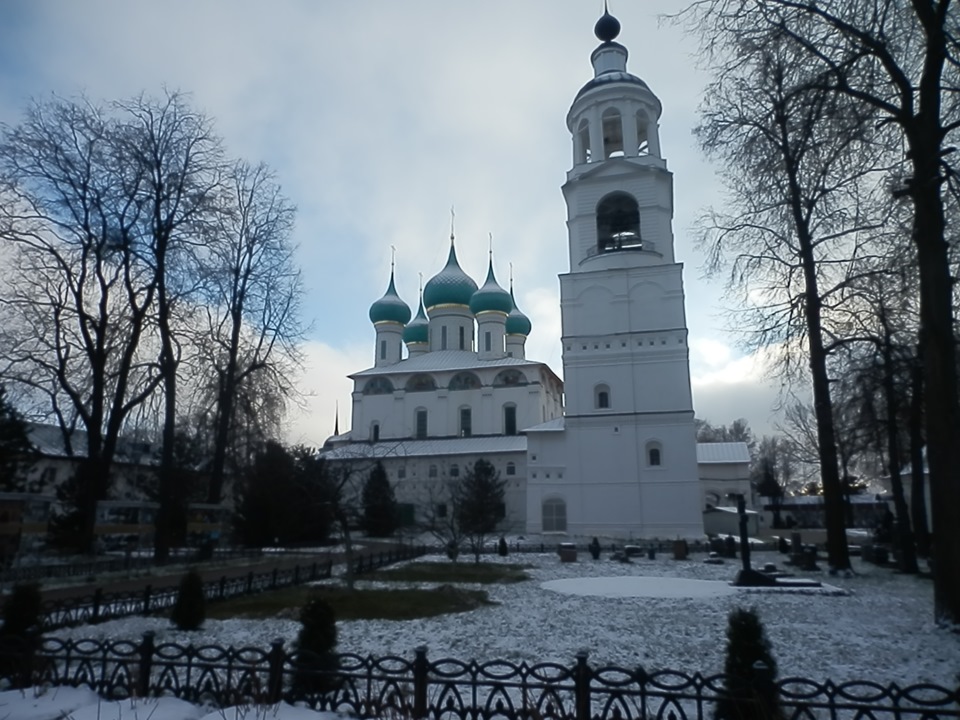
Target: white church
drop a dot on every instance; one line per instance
(611, 449)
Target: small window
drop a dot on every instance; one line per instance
(509, 419)
(383, 349)
(432, 472)
(443, 338)
(375, 432)
(511, 468)
(421, 424)
(454, 471)
(463, 341)
(654, 456)
(554, 515)
(601, 397)
(487, 342)
(466, 422)
(401, 473)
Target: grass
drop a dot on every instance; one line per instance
(450, 572)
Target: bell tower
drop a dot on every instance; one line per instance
(629, 463)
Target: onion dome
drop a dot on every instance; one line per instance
(491, 297)
(517, 322)
(418, 331)
(390, 308)
(450, 286)
(607, 27)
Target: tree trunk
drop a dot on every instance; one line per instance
(918, 500)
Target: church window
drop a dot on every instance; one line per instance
(583, 144)
(654, 454)
(463, 341)
(464, 381)
(510, 419)
(443, 338)
(618, 223)
(378, 386)
(421, 417)
(421, 383)
(511, 468)
(601, 397)
(454, 470)
(612, 133)
(375, 432)
(486, 341)
(466, 422)
(432, 472)
(383, 349)
(554, 515)
(509, 378)
(643, 143)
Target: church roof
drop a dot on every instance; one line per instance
(450, 286)
(554, 425)
(477, 445)
(447, 360)
(723, 452)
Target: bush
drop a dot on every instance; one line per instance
(748, 694)
(317, 661)
(502, 549)
(190, 609)
(594, 548)
(20, 634)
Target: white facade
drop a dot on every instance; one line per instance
(623, 461)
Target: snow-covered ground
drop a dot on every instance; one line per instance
(876, 625)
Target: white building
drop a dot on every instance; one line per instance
(620, 459)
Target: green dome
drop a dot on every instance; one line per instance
(491, 297)
(517, 322)
(418, 331)
(450, 286)
(390, 308)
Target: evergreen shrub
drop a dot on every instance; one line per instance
(190, 609)
(20, 634)
(749, 693)
(316, 644)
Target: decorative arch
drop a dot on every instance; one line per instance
(601, 397)
(378, 386)
(509, 378)
(618, 223)
(421, 382)
(612, 133)
(464, 381)
(553, 515)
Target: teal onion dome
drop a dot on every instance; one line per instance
(390, 308)
(450, 286)
(517, 322)
(418, 331)
(491, 297)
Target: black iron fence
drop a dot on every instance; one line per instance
(99, 605)
(450, 689)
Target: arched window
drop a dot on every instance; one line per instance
(421, 383)
(375, 432)
(601, 397)
(378, 386)
(612, 133)
(554, 515)
(454, 470)
(464, 381)
(643, 146)
(583, 149)
(654, 454)
(420, 420)
(509, 378)
(618, 223)
(509, 419)
(511, 468)
(466, 422)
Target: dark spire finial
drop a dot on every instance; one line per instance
(607, 27)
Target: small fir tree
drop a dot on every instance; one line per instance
(479, 504)
(749, 693)
(379, 504)
(16, 451)
(20, 634)
(502, 549)
(190, 609)
(316, 644)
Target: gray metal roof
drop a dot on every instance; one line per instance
(448, 360)
(428, 448)
(555, 425)
(723, 452)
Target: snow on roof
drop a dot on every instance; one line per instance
(427, 448)
(449, 360)
(555, 425)
(723, 452)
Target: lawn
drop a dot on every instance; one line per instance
(461, 572)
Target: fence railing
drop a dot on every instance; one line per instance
(447, 688)
(100, 606)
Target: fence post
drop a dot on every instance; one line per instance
(147, 591)
(420, 683)
(275, 678)
(146, 664)
(97, 600)
(764, 691)
(581, 680)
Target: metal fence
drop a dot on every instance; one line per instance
(451, 689)
(100, 605)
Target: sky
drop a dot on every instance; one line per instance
(377, 117)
